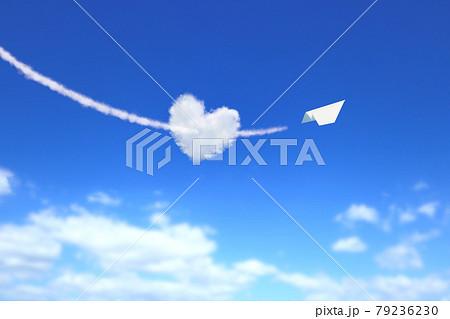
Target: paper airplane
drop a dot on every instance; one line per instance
(325, 114)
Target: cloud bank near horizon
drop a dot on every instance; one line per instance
(175, 261)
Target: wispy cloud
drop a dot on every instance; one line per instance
(5, 181)
(420, 185)
(428, 209)
(351, 244)
(406, 217)
(103, 198)
(358, 212)
(158, 205)
(399, 287)
(409, 214)
(405, 255)
(419, 237)
(399, 257)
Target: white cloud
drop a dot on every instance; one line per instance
(418, 237)
(420, 185)
(159, 251)
(351, 244)
(405, 255)
(410, 215)
(446, 215)
(26, 251)
(255, 267)
(172, 261)
(5, 182)
(131, 286)
(358, 213)
(158, 205)
(401, 256)
(103, 198)
(401, 287)
(162, 220)
(222, 124)
(428, 209)
(316, 286)
(406, 217)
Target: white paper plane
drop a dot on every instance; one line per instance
(325, 114)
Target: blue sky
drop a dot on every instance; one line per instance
(69, 205)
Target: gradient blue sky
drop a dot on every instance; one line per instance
(387, 155)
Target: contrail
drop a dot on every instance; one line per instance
(84, 100)
(264, 131)
(101, 107)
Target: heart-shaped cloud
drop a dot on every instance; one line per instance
(189, 121)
